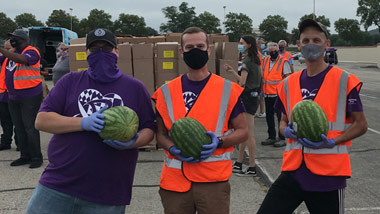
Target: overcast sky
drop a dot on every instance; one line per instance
(291, 10)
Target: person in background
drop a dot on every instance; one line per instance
(62, 65)
(44, 72)
(88, 174)
(189, 185)
(275, 69)
(250, 79)
(260, 48)
(282, 44)
(5, 116)
(316, 172)
(20, 75)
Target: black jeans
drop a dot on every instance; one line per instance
(270, 111)
(23, 113)
(285, 195)
(6, 124)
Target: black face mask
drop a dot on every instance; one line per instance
(273, 55)
(195, 58)
(281, 48)
(14, 42)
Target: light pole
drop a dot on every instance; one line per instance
(314, 9)
(71, 18)
(224, 18)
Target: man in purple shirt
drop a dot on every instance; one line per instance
(23, 82)
(85, 172)
(316, 172)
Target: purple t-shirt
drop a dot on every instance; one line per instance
(20, 94)
(309, 89)
(191, 90)
(80, 164)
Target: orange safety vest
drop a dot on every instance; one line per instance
(332, 97)
(25, 76)
(2, 90)
(273, 77)
(212, 109)
(287, 55)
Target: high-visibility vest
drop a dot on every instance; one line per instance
(2, 90)
(212, 109)
(25, 76)
(332, 97)
(287, 55)
(272, 77)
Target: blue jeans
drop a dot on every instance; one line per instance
(47, 201)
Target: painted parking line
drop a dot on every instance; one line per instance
(362, 209)
(373, 130)
(369, 96)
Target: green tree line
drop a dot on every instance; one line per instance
(272, 28)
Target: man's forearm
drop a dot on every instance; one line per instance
(15, 57)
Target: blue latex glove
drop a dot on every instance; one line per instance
(94, 122)
(122, 145)
(289, 132)
(325, 143)
(209, 148)
(173, 150)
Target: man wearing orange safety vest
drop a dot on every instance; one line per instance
(191, 185)
(316, 172)
(288, 56)
(275, 69)
(20, 76)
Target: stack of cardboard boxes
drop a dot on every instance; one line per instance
(78, 57)
(229, 55)
(166, 62)
(143, 65)
(124, 61)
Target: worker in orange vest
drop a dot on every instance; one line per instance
(20, 76)
(316, 172)
(275, 69)
(191, 185)
(261, 46)
(282, 44)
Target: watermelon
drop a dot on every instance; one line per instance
(120, 123)
(189, 135)
(309, 120)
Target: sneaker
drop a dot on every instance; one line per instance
(268, 142)
(250, 171)
(237, 167)
(280, 143)
(20, 161)
(261, 115)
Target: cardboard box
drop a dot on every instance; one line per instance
(173, 37)
(77, 52)
(211, 66)
(218, 50)
(78, 41)
(167, 50)
(78, 65)
(167, 66)
(212, 52)
(182, 67)
(221, 71)
(220, 38)
(162, 78)
(230, 51)
(124, 39)
(143, 70)
(142, 51)
(155, 39)
(125, 52)
(126, 67)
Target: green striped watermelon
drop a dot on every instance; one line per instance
(309, 120)
(189, 135)
(120, 123)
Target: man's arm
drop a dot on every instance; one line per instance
(286, 70)
(359, 127)
(162, 135)
(283, 123)
(15, 57)
(240, 133)
(55, 123)
(145, 136)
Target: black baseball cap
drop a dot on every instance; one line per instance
(100, 34)
(311, 23)
(20, 34)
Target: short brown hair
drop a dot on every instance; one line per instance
(192, 30)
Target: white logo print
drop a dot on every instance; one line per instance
(189, 98)
(306, 93)
(11, 66)
(91, 100)
(99, 32)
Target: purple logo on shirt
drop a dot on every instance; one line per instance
(308, 95)
(91, 100)
(189, 98)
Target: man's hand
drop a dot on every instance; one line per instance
(122, 145)
(209, 148)
(94, 122)
(325, 143)
(173, 150)
(289, 132)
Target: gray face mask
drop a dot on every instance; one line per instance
(312, 52)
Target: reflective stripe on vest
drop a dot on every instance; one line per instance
(177, 164)
(24, 67)
(222, 110)
(339, 125)
(338, 149)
